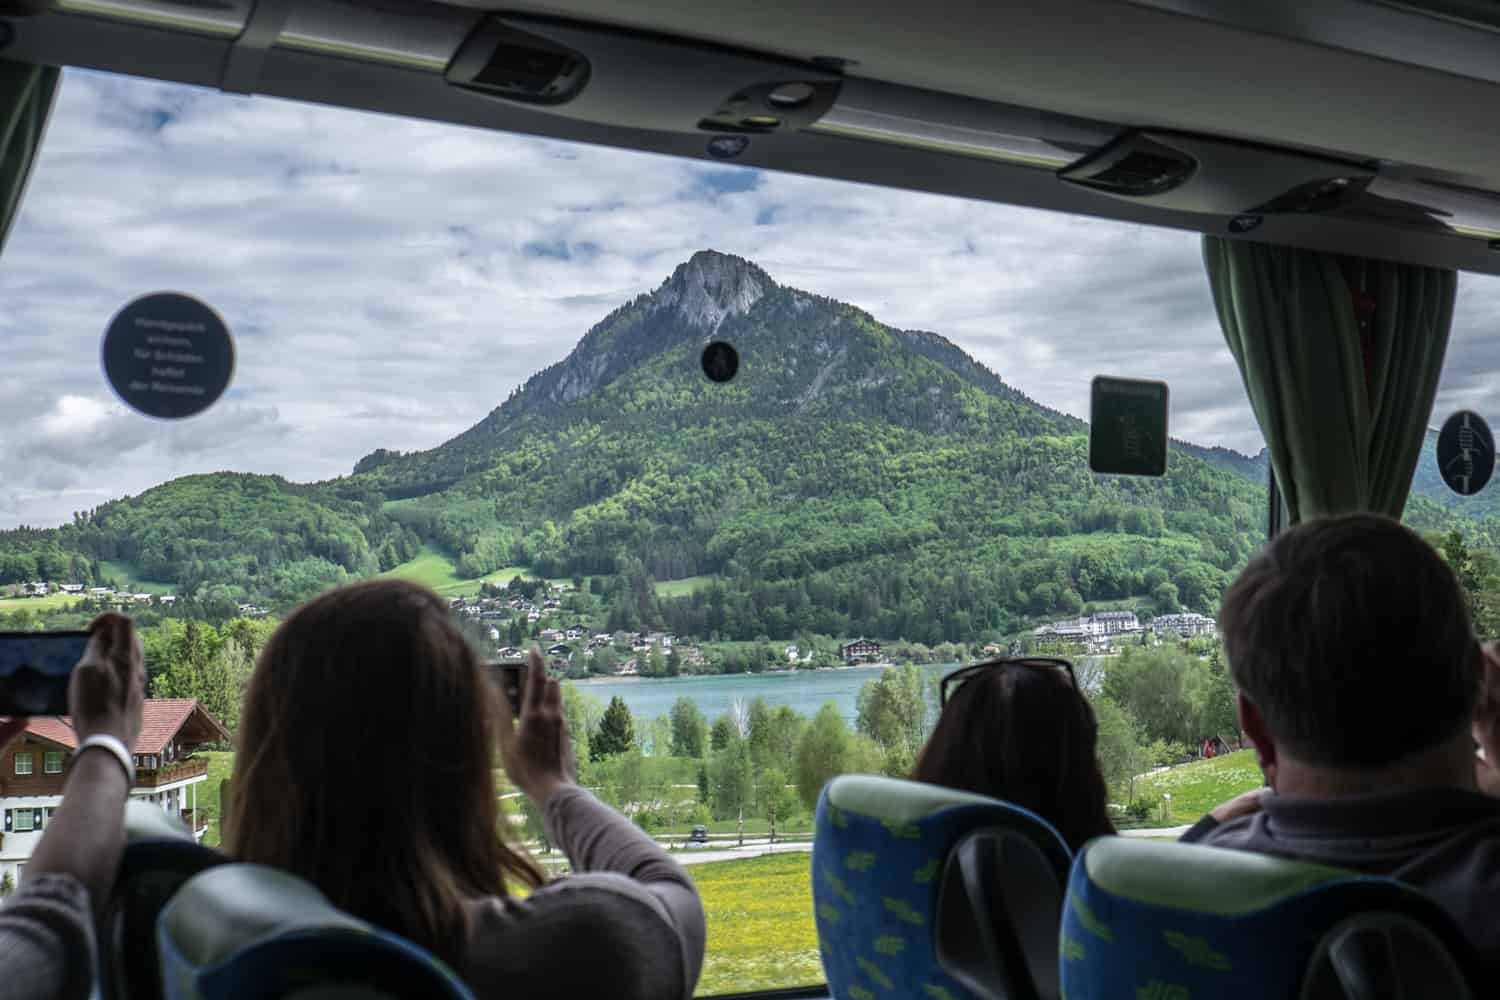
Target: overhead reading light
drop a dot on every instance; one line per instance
(621, 78)
(947, 123)
(1193, 173)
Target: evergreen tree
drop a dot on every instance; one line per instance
(616, 733)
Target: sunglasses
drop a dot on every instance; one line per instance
(953, 681)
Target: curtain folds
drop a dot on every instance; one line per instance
(26, 93)
(1341, 359)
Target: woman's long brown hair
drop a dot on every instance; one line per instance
(1026, 735)
(367, 744)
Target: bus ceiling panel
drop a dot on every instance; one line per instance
(403, 32)
(1412, 232)
(119, 46)
(1456, 36)
(225, 18)
(1114, 61)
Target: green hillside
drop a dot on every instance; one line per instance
(853, 479)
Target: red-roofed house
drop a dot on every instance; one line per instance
(166, 774)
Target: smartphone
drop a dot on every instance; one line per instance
(35, 668)
(511, 676)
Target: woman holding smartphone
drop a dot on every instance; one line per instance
(366, 766)
(47, 926)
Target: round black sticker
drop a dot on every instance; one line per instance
(720, 361)
(1466, 453)
(168, 355)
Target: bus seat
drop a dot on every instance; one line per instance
(1161, 921)
(160, 855)
(923, 891)
(240, 931)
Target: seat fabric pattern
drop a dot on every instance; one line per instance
(1162, 921)
(878, 855)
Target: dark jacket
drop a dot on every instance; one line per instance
(1442, 840)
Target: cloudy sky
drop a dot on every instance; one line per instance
(388, 282)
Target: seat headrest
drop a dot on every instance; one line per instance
(898, 800)
(144, 821)
(905, 874)
(1163, 919)
(242, 930)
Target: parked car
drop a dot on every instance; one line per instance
(699, 835)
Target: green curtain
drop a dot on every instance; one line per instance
(1343, 404)
(25, 100)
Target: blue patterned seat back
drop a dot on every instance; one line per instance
(249, 932)
(1147, 920)
(886, 870)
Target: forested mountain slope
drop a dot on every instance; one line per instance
(853, 478)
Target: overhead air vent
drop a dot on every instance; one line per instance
(1201, 174)
(622, 78)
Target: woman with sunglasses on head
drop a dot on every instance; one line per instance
(1020, 730)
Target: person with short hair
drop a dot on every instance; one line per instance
(1020, 730)
(369, 737)
(1360, 683)
(47, 949)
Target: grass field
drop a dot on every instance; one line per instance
(52, 602)
(1198, 787)
(682, 587)
(760, 923)
(126, 574)
(433, 569)
(220, 764)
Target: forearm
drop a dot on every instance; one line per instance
(85, 837)
(46, 940)
(597, 838)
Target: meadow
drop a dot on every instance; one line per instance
(761, 933)
(1198, 787)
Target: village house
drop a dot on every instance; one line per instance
(33, 769)
(71, 588)
(792, 652)
(509, 653)
(860, 651)
(560, 651)
(630, 668)
(550, 635)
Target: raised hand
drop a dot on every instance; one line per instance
(535, 749)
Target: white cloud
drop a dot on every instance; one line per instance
(390, 281)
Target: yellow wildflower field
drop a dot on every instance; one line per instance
(760, 923)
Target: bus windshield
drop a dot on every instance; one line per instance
(475, 361)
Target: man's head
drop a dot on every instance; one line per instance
(1350, 637)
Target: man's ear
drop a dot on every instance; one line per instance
(1254, 726)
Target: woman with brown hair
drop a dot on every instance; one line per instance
(366, 767)
(1020, 730)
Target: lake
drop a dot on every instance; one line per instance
(804, 690)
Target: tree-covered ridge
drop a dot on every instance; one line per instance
(853, 479)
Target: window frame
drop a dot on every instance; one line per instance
(30, 759)
(48, 757)
(25, 820)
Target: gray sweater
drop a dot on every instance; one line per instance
(627, 924)
(47, 940)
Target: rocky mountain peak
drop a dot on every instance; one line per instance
(711, 286)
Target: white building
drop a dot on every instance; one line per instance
(1186, 625)
(167, 774)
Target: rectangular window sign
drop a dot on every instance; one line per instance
(1128, 427)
